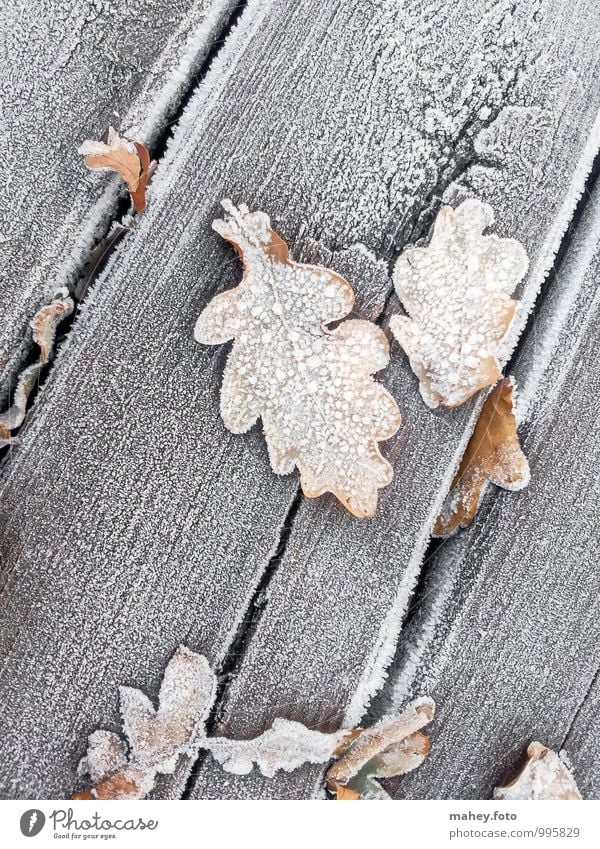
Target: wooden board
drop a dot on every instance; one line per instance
(335, 603)
(132, 521)
(505, 636)
(582, 742)
(72, 70)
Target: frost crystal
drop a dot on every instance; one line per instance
(321, 410)
(457, 294)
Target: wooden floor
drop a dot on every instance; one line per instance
(131, 521)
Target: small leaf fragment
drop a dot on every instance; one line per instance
(390, 748)
(343, 793)
(157, 738)
(106, 754)
(493, 454)
(322, 412)
(43, 324)
(544, 776)
(457, 294)
(186, 693)
(131, 160)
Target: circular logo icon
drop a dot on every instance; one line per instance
(32, 822)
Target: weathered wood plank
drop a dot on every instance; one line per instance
(506, 635)
(582, 742)
(336, 602)
(70, 70)
(129, 504)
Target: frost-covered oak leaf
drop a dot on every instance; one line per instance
(322, 412)
(457, 293)
(158, 738)
(545, 775)
(131, 160)
(493, 454)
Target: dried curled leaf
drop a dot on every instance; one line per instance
(130, 160)
(158, 738)
(544, 776)
(343, 794)
(322, 411)
(43, 324)
(457, 294)
(392, 747)
(493, 453)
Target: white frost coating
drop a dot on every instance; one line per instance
(206, 96)
(285, 746)
(107, 753)
(114, 142)
(546, 775)
(375, 672)
(457, 294)
(536, 359)
(209, 16)
(321, 410)
(186, 694)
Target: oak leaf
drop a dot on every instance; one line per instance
(493, 454)
(457, 294)
(544, 776)
(131, 160)
(322, 412)
(157, 739)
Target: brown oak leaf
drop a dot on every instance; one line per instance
(131, 160)
(493, 454)
(544, 776)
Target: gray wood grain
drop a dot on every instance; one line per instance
(69, 71)
(506, 635)
(582, 742)
(335, 604)
(131, 520)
